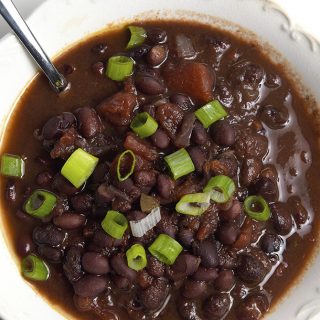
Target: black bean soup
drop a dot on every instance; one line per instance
(184, 188)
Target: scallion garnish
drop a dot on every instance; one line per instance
(140, 227)
(34, 268)
(165, 249)
(40, 203)
(179, 163)
(257, 208)
(115, 224)
(119, 67)
(12, 165)
(144, 125)
(221, 188)
(136, 257)
(210, 113)
(79, 167)
(193, 204)
(119, 163)
(137, 38)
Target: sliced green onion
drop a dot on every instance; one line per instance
(119, 67)
(137, 38)
(136, 257)
(144, 125)
(221, 188)
(115, 224)
(133, 164)
(34, 268)
(194, 204)
(179, 163)
(79, 167)
(40, 203)
(257, 208)
(165, 249)
(210, 113)
(12, 165)
(140, 227)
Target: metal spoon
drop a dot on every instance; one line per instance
(22, 31)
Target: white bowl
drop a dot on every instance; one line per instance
(57, 24)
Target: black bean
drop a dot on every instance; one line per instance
(168, 223)
(193, 289)
(267, 188)
(26, 218)
(145, 178)
(120, 266)
(50, 254)
(69, 221)
(139, 52)
(198, 158)
(225, 280)
(199, 134)
(103, 240)
(24, 244)
(122, 205)
(98, 68)
(48, 234)
(44, 178)
(250, 170)
(232, 213)
(157, 55)
(223, 134)
(207, 251)
(89, 123)
(82, 202)
(99, 48)
(186, 237)
(274, 117)
(227, 233)
(250, 269)
(90, 286)
(64, 187)
(188, 310)
(205, 274)
(165, 186)
(144, 279)
(55, 126)
(253, 307)
(281, 218)
(67, 69)
(83, 303)
(120, 282)
(154, 296)
(185, 265)
(228, 259)
(270, 242)
(299, 212)
(156, 36)
(160, 139)
(95, 263)
(72, 265)
(155, 267)
(217, 306)
(104, 195)
(11, 191)
(182, 100)
(149, 85)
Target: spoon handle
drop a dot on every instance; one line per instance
(18, 25)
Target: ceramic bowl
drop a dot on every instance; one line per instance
(58, 24)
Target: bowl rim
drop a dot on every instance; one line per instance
(33, 22)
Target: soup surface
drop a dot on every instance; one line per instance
(228, 251)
